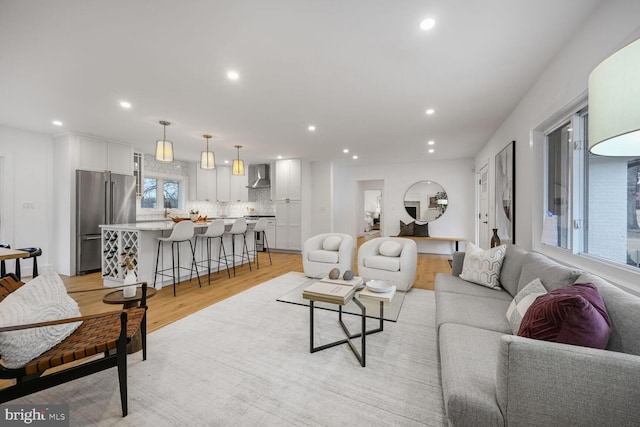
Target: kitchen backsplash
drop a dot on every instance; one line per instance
(262, 206)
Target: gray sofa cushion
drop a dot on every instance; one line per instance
(468, 367)
(551, 274)
(511, 269)
(624, 313)
(449, 283)
(485, 313)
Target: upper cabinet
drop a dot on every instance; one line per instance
(238, 191)
(288, 179)
(206, 184)
(101, 155)
(223, 183)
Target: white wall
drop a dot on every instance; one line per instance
(321, 201)
(27, 179)
(455, 176)
(565, 80)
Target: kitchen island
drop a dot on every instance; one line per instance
(139, 242)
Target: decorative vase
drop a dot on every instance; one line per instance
(495, 240)
(130, 279)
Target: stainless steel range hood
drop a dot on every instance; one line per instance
(259, 176)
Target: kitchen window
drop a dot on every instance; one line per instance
(163, 192)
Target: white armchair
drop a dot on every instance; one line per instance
(323, 252)
(393, 259)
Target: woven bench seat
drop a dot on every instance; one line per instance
(96, 335)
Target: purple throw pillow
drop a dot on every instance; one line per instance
(574, 315)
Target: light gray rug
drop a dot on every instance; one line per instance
(245, 361)
(391, 310)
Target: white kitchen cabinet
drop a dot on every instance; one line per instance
(270, 232)
(223, 183)
(206, 184)
(238, 191)
(100, 155)
(288, 225)
(288, 177)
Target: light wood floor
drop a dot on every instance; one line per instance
(164, 308)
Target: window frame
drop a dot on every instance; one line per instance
(183, 188)
(622, 275)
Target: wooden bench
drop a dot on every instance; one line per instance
(437, 239)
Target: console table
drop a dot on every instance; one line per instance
(440, 239)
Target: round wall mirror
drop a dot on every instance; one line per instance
(426, 201)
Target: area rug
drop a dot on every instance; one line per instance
(245, 361)
(390, 310)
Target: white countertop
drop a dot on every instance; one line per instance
(166, 225)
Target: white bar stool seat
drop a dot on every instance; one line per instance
(260, 227)
(182, 232)
(239, 228)
(215, 230)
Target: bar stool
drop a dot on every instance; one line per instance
(33, 253)
(260, 227)
(239, 228)
(215, 230)
(182, 232)
(3, 267)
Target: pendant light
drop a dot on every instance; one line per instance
(238, 165)
(164, 148)
(207, 158)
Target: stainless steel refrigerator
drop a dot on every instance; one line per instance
(101, 198)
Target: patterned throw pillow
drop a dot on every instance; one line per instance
(483, 266)
(39, 300)
(406, 229)
(522, 302)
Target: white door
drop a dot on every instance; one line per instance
(484, 239)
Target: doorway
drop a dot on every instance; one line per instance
(370, 208)
(483, 207)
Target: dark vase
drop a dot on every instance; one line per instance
(495, 240)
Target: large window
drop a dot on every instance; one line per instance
(162, 193)
(592, 203)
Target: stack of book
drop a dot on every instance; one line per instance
(335, 291)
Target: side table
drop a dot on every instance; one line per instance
(117, 297)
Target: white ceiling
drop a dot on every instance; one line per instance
(360, 70)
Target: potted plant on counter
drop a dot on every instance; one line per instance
(194, 214)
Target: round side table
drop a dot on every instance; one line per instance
(117, 297)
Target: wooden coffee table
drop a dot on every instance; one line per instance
(117, 297)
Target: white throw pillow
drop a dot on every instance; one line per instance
(390, 248)
(40, 300)
(483, 266)
(522, 302)
(332, 243)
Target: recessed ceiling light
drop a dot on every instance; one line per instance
(430, 111)
(346, 150)
(226, 162)
(233, 75)
(355, 157)
(311, 128)
(427, 24)
(57, 122)
(279, 157)
(125, 104)
(431, 142)
(431, 150)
